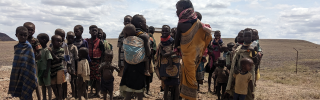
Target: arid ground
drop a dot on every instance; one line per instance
(278, 81)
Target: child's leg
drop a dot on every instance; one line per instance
(80, 84)
(166, 90)
(209, 82)
(224, 85)
(147, 73)
(65, 89)
(218, 90)
(97, 88)
(49, 92)
(140, 96)
(128, 95)
(38, 92)
(84, 90)
(110, 94)
(104, 95)
(44, 94)
(176, 92)
(73, 87)
(55, 90)
(215, 85)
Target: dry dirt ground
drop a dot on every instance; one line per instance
(278, 81)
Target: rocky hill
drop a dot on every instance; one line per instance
(5, 37)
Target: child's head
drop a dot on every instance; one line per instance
(151, 29)
(22, 34)
(127, 20)
(246, 64)
(199, 16)
(78, 30)
(70, 37)
(139, 22)
(224, 47)
(83, 53)
(31, 28)
(182, 5)
(165, 31)
(93, 30)
(61, 33)
(173, 32)
(129, 30)
(221, 61)
(104, 36)
(255, 35)
(43, 39)
(108, 54)
(247, 35)
(240, 37)
(217, 34)
(230, 46)
(56, 41)
(100, 33)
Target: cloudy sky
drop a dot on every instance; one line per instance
(274, 19)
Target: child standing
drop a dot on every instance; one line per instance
(243, 80)
(96, 49)
(57, 73)
(126, 20)
(79, 41)
(216, 44)
(221, 73)
(44, 66)
(36, 46)
(83, 73)
(73, 54)
(107, 68)
(23, 80)
(169, 64)
(229, 54)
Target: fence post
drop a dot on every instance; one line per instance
(297, 60)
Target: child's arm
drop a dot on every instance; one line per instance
(102, 65)
(146, 39)
(101, 46)
(48, 67)
(87, 71)
(53, 55)
(116, 68)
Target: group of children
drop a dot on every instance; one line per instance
(49, 66)
(89, 61)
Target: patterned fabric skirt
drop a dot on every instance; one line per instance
(94, 69)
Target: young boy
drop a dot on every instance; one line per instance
(96, 50)
(57, 70)
(243, 80)
(217, 45)
(71, 66)
(126, 20)
(63, 45)
(83, 73)
(23, 80)
(133, 79)
(242, 51)
(221, 73)
(229, 54)
(35, 45)
(44, 66)
(107, 68)
(167, 58)
(101, 36)
(79, 41)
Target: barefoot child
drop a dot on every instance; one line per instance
(107, 68)
(83, 73)
(133, 79)
(71, 66)
(221, 73)
(57, 72)
(229, 54)
(217, 45)
(62, 34)
(23, 79)
(243, 80)
(35, 45)
(126, 20)
(44, 66)
(96, 49)
(168, 58)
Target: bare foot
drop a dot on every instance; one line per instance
(147, 73)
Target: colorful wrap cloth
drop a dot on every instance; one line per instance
(193, 44)
(23, 80)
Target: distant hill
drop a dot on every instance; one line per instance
(5, 37)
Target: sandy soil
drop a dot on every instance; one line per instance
(278, 77)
